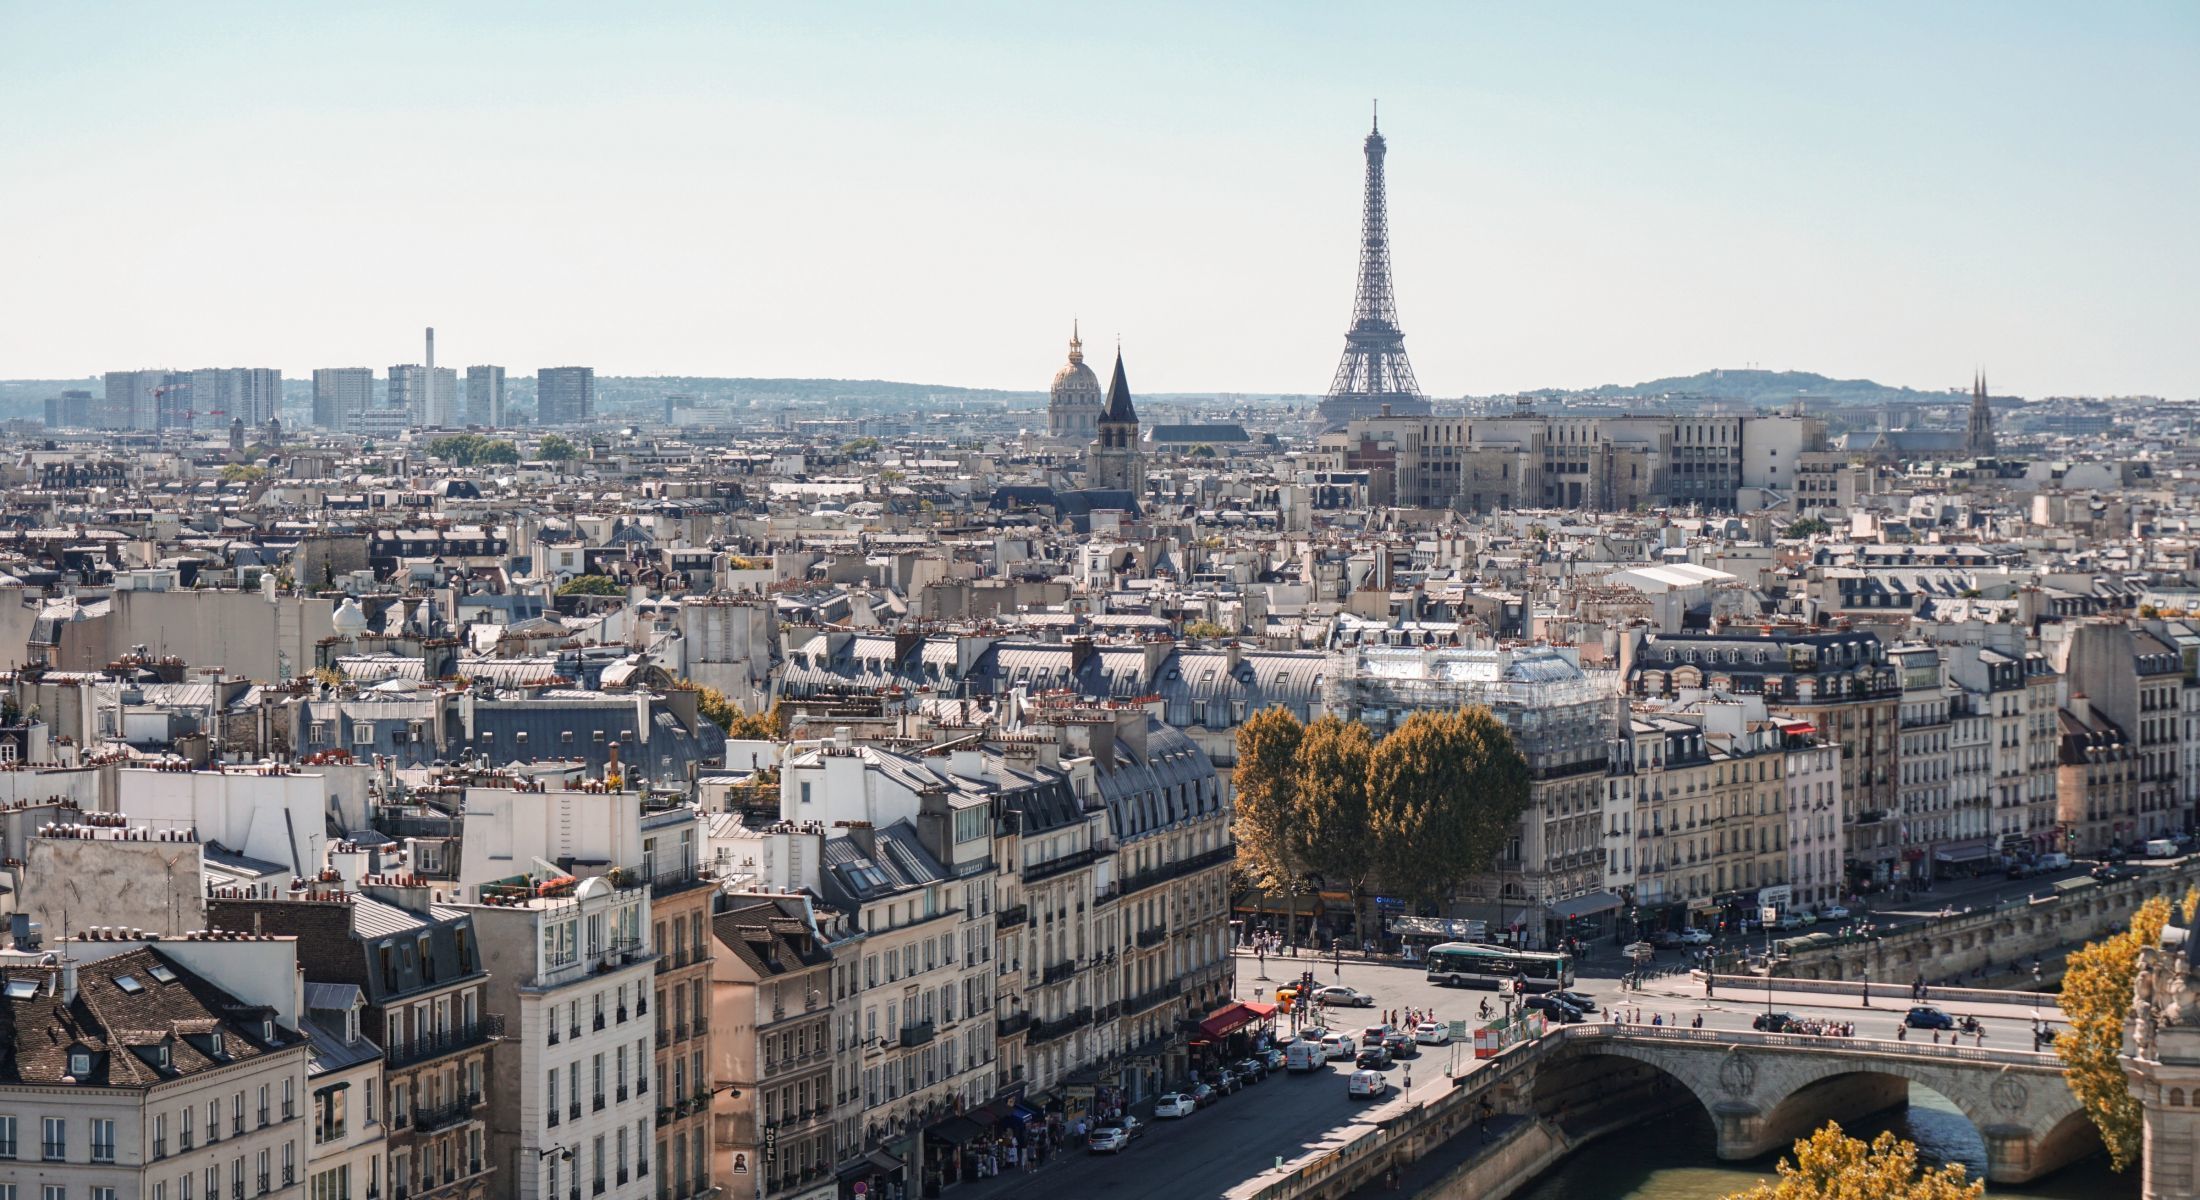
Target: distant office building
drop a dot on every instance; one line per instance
(485, 396)
(408, 388)
(565, 395)
(215, 396)
(71, 409)
(133, 399)
(340, 394)
(440, 407)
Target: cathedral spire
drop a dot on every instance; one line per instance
(1076, 343)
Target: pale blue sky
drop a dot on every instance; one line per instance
(1580, 194)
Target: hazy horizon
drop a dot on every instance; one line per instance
(1606, 194)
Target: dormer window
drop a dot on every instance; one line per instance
(80, 1063)
(217, 1043)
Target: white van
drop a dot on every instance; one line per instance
(2161, 848)
(2058, 861)
(1302, 1056)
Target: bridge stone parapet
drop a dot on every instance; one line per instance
(2077, 910)
(1765, 1090)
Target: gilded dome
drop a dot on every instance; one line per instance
(1075, 385)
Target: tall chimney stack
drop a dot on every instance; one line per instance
(431, 350)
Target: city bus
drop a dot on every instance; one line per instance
(1457, 963)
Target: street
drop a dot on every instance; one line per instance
(1205, 1154)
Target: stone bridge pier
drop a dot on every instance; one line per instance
(1763, 1091)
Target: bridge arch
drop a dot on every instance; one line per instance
(1604, 1085)
(2028, 1129)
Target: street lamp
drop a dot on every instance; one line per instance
(1766, 916)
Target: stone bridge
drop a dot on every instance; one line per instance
(1765, 1090)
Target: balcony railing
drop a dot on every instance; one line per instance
(1149, 938)
(1011, 1026)
(1068, 862)
(1145, 1000)
(1183, 866)
(1047, 1031)
(918, 1034)
(1058, 972)
(675, 879)
(451, 1041)
(1008, 918)
(443, 1116)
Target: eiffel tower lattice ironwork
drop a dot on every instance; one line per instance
(1374, 371)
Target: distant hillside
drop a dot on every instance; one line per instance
(1756, 389)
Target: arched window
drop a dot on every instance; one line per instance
(2177, 1097)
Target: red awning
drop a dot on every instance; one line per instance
(1226, 1020)
(1259, 1010)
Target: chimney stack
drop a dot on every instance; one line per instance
(431, 350)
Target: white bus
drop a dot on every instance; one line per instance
(1457, 963)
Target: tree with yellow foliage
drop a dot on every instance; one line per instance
(2096, 997)
(1831, 1165)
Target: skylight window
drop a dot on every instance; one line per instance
(22, 989)
(162, 974)
(129, 984)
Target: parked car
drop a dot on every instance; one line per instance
(1432, 1033)
(1925, 1016)
(1305, 1056)
(1375, 1033)
(1131, 1125)
(1341, 996)
(1695, 937)
(1313, 1033)
(1773, 1022)
(1366, 1085)
(1175, 1105)
(2107, 873)
(1401, 1045)
(1835, 912)
(1339, 1046)
(1273, 1058)
(1554, 1008)
(1222, 1079)
(1203, 1096)
(1251, 1071)
(1665, 939)
(1374, 1058)
(1108, 1139)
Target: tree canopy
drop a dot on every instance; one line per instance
(556, 447)
(1831, 1165)
(471, 449)
(1415, 812)
(1808, 527)
(1206, 629)
(724, 713)
(2096, 996)
(591, 585)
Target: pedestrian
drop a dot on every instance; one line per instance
(1902, 1033)
(1936, 1037)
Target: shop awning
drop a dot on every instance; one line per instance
(1260, 1011)
(1961, 853)
(955, 1131)
(1227, 1020)
(877, 1161)
(1582, 906)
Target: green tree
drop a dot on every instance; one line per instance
(1206, 629)
(1266, 781)
(714, 707)
(2096, 997)
(1334, 809)
(1446, 788)
(1831, 1165)
(859, 447)
(241, 473)
(554, 447)
(591, 585)
(1808, 527)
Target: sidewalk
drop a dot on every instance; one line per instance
(1008, 1182)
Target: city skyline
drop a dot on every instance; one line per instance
(1601, 200)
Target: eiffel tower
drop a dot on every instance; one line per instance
(1374, 371)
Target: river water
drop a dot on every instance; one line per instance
(1675, 1158)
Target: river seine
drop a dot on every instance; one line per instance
(1677, 1160)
